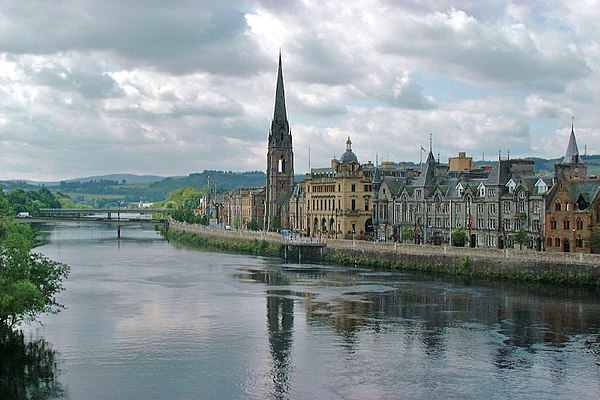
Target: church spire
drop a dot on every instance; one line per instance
(572, 154)
(280, 114)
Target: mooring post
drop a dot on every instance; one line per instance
(119, 232)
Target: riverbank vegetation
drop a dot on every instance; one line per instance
(466, 268)
(29, 282)
(256, 247)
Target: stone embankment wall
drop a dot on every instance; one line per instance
(525, 264)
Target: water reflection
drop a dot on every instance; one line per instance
(524, 319)
(280, 319)
(28, 369)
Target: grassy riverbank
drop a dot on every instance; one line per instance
(465, 267)
(256, 247)
(469, 267)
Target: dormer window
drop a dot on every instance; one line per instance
(511, 186)
(482, 190)
(460, 190)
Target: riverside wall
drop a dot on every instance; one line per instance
(508, 261)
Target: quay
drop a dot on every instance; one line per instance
(513, 263)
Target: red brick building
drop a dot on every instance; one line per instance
(572, 210)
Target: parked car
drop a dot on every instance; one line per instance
(23, 214)
(227, 228)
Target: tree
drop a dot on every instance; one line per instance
(28, 281)
(253, 225)
(408, 234)
(594, 240)
(459, 238)
(521, 238)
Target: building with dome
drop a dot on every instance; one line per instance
(336, 199)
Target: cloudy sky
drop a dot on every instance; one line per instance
(174, 87)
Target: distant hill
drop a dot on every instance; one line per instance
(128, 178)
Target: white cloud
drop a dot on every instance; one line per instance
(88, 88)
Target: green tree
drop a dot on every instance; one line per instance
(28, 281)
(594, 240)
(408, 234)
(521, 238)
(459, 238)
(187, 197)
(253, 225)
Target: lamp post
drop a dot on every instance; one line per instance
(573, 245)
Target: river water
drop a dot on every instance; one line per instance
(148, 319)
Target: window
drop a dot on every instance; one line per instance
(507, 224)
(549, 242)
(507, 206)
(535, 207)
(458, 209)
(353, 204)
(366, 204)
(492, 223)
(557, 242)
(492, 209)
(579, 224)
(557, 206)
(535, 225)
(482, 191)
(480, 223)
(353, 188)
(491, 192)
(429, 207)
(480, 208)
(418, 193)
(553, 224)
(567, 206)
(517, 224)
(281, 165)
(566, 224)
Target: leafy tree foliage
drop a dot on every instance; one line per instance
(30, 201)
(459, 238)
(28, 281)
(521, 238)
(186, 197)
(253, 225)
(408, 234)
(594, 240)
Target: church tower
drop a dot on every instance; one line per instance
(280, 163)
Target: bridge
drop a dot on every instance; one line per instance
(114, 216)
(127, 213)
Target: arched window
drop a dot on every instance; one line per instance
(566, 224)
(553, 224)
(549, 242)
(281, 165)
(579, 224)
(557, 206)
(557, 242)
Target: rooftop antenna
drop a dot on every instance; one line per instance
(376, 159)
(508, 156)
(483, 156)
(438, 157)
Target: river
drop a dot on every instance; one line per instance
(148, 319)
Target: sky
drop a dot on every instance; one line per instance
(175, 87)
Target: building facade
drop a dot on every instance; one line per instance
(337, 199)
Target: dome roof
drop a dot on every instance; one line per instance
(349, 156)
